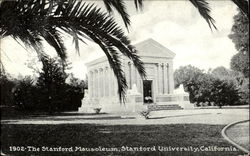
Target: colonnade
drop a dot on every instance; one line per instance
(102, 83)
(163, 78)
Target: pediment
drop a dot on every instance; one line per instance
(152, 48)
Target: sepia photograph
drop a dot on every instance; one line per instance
(124, 77)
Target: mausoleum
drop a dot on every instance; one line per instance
(156, 92)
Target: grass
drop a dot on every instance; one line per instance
(13, 113)
(239, 133)
(89, 135)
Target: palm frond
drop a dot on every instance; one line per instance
(138, 4)
(204, 10)
(243, 5)
(54, 39)
(119, 5)
(35, 20)
(103, 30)
(26, 21)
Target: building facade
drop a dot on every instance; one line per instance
(157, 89)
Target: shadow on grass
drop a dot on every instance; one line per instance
(91, 118)
(32, 115)
(178, 116)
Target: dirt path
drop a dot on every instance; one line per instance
(201, 116)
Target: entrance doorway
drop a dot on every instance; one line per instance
(147, 91)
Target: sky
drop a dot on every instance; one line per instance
(176, 25)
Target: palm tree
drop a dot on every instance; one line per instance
(33, 21)
(37, 20)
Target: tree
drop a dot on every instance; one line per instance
(76, 92)
(6, 86)
(24, 94)
(52, 84)
(204, 88)
(224, 93)
(37, 20)
(50, 93)
(216, 86)
(223, 73)
(240, 62)
(188, 76)
(185, 74)
(244, 92)
(240, 37)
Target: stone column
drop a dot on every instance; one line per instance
(106, 82)
(100, 82)
(92, 84)
(158, 78)
(114, 85)
(110, 81)
(135, 77)
(168, 89)
(163, 77)
(171, 77)
(130, 75)
(139, 79)
(95, 84)
(89, 83)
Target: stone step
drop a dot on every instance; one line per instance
(164, 107)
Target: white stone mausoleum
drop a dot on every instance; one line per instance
(154, 93)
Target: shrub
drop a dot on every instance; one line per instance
(51, 93)
(145, 114)
(244, 92)
(6, 85)
(25, 94)
(224, 93)
(97, 110)
(220, 86)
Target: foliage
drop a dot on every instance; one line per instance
(51, 93)
(223, 73)
(24, 94)
(186, 74)
(240, 37)
(234, 77)
(77, 82)
(145, 114)
(97, 110)
(224, 93)
(34, 21)
(203, 90)
(190, 77)
(218, 86)
(6, 86)
(244, 91)
(240, 62)
(51, 84)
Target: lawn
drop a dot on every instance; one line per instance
(118, 137)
